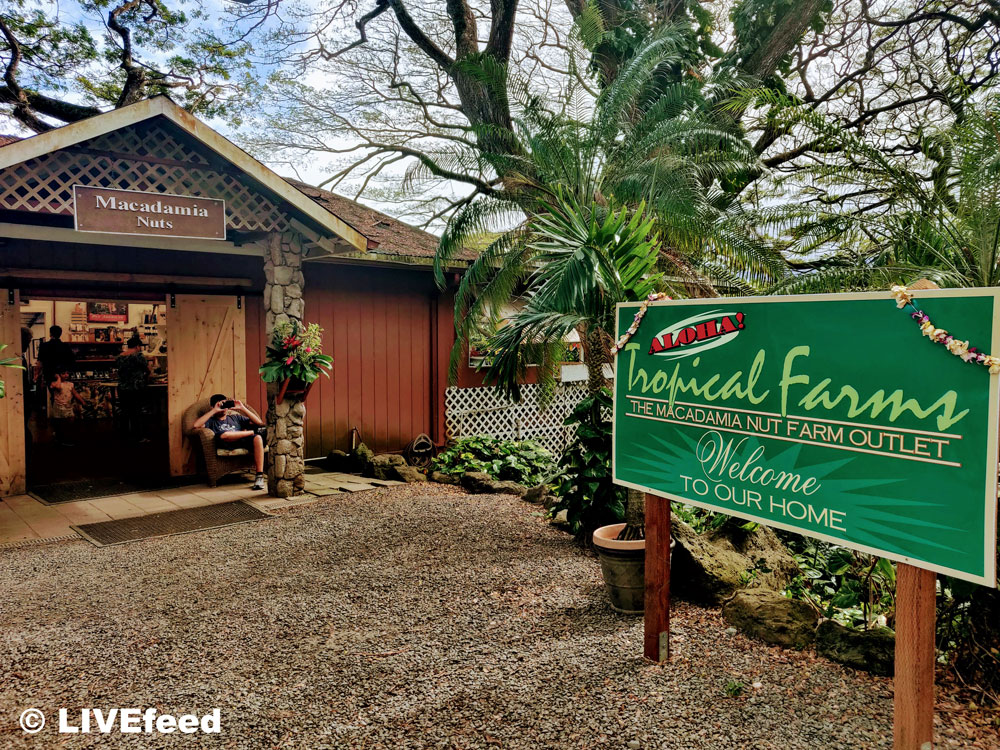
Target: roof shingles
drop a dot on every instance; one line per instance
(393, 237)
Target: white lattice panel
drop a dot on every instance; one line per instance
(45, 184)
(481, 411)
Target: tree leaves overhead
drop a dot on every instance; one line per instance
(62, 64)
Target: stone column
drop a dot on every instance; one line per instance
(283, 302)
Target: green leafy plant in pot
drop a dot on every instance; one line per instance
(12, 362)
(295, 359)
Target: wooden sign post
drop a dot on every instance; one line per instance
(913, 684)
(656, 622)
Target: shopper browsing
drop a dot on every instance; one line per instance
(63, 395)
(133, 376)
(55, 354)
(236, 426)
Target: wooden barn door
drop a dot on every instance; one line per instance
(206, 339)
(12, 459)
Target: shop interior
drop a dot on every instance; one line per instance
(116, 429)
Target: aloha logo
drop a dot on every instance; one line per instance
(704, 331)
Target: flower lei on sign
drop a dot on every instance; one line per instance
(959, 348)
(623, 339)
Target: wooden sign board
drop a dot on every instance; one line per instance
(883, 490)
(113, 211)
(827, 415)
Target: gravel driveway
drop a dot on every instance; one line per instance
(410, 617)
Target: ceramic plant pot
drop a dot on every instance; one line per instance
(623, 564)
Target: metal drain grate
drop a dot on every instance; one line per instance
(125, 530)
(35, 542)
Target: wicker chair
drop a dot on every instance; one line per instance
(218, 461)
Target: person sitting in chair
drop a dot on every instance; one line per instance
(236, 426)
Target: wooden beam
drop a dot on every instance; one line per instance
(124, 278)
(913, 684)
(656, 640)
(328, 245)
(63, 234)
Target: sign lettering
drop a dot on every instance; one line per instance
(130, 212)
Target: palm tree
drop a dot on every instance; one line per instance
(607, 204)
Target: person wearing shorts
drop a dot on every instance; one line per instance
(236, 426)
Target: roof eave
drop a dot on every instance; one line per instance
(68, 135)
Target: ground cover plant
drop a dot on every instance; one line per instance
(521, 461)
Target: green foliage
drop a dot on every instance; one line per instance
(524, 462)
(178, 48)
(733, 688)
(854, 588)
(935, 217)
(703, 521)
(640, 162)
(584, 485)
(588, 259)
(296, 352)
(754, 22)
(12, 362)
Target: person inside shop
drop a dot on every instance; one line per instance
(55, 355)
(236, 426)
(133, 377)
(63, 409)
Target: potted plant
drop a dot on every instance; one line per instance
(295, 359)
(623, 564)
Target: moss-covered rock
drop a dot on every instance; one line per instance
(363, 458)
(870, 650)
(711, 567)
(409, 474)
(384, 465)
(771, 617)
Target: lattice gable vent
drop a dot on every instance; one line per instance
(151, 157)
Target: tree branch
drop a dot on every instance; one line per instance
(135, 76)
(381, 6)
(22, 108)
(417, 35)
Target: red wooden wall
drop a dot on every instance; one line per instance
(386, 331)
(255, 343)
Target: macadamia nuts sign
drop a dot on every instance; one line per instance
(829, 415)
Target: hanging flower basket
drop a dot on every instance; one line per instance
(295, 359)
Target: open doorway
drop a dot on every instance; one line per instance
(95, 395)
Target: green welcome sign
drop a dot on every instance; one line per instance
(829, 415)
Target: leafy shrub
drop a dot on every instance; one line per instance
(854, 588)
(703, 520)
(584, 485)
(524, 462)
